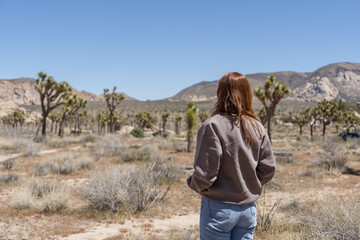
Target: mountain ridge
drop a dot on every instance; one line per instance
(21, 91)
(329, 81)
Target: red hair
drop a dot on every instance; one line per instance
(234, 98)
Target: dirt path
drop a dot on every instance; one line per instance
(3, 158)
(136, 227)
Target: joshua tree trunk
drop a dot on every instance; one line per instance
(43, 131)
(269, 116)
(189, 144)
(324, 129)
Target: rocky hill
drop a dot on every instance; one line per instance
(21, 91)
(331, 81)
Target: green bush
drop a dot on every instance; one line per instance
(137, 132)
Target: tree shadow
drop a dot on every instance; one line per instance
(351, 171)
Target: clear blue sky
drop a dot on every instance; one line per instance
(151, 49)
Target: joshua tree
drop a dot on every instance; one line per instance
(112, 100)
(190, 119)
(51, 95)
(55, 117)
(72, 105)
(270, 96)
(328, 112)
(99, 118)
(164, 118)
(350, 120)
(177, 122)
(14, 119)
(144, 120)
(301, 119)
(312, 117)
(262, 115)
(203, 116)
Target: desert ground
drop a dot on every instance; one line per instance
(116, 186)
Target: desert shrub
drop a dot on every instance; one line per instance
(107, 146)
(273, 184)
(8, 164)
(14, 145)
(58, 143)
(9, 179)
(137, 132)
(165, 134)
(42, 196)
(106, 191)
(332, 156)
(142, 187)
(292, 205)
(64, 164)
(31, 149)
(180, 147)
(40, 139)
(284, 157)
(136, 189)
(88, 138)
(333, 221)
(165, 145)
(309, 173)
(264, 214)
(134, 154)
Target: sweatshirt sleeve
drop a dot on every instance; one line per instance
(207, 159)
(265, 169)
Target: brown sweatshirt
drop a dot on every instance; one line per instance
(227, 169)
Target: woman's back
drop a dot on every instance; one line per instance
(233, 160)
(238, 179)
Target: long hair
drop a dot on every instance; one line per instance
(234, 98)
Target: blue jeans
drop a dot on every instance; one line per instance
(219, 221)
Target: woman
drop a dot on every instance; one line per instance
(233, 160)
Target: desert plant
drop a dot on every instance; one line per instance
(145, 120)
(88, 139)
(65, 164)
(328, 112)
(164, 118)
(73, 104)
(301, 119)
(177, 122)
(203, 116)
(270, 95)
(135, 189)
(266, 215)
(51, 95)
(312, 117)
(9, 178)
(112, 99)
(41, 195)
(31, 149)
(107, 146)
(137, 132)
(132, 154)
(8, 164)
(106, 190)
(333, 220)
(190, 119)
(332, 156)
(179, 147)
(350, 120)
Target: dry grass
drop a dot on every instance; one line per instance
(42, 196)
(331, 220)
(140, 198)
(64, 164)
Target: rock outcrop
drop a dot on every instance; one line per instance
(339, 80)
